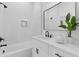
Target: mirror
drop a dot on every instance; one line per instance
(57, 12)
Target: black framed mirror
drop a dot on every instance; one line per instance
(57, 12)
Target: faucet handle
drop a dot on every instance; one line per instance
(51, 35)
(3, 45)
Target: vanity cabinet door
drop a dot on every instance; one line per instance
(54, 52)
(34, 52)
(40, 49)
(66, 54)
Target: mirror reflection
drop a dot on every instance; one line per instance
(53, 13)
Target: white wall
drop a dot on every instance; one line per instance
(76, 33)
(36, 19)
(12, 16)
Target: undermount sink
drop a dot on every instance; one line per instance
(58, 40)
(46, 38)
(43, 37)
(54, 39)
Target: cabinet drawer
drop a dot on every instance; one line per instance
(41, 47)
(67, 54)
(56, 52)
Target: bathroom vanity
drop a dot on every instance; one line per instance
(46, 47)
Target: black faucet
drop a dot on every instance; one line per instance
(46, 34)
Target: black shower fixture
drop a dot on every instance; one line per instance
(3, 5)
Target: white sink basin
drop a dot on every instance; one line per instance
(57, 39)
(46, 38)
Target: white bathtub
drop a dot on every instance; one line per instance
(18, 50)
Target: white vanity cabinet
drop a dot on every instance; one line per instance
(47, 48)
(40, 49)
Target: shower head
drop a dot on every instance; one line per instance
(3, 5)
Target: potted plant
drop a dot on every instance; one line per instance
(70, 24)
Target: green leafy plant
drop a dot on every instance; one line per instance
(70, 24)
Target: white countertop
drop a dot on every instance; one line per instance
(74, 50)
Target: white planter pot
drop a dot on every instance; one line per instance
(68, 40)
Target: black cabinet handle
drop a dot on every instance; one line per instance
(58, 55)
(37, 50)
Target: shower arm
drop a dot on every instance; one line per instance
(3, 5)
